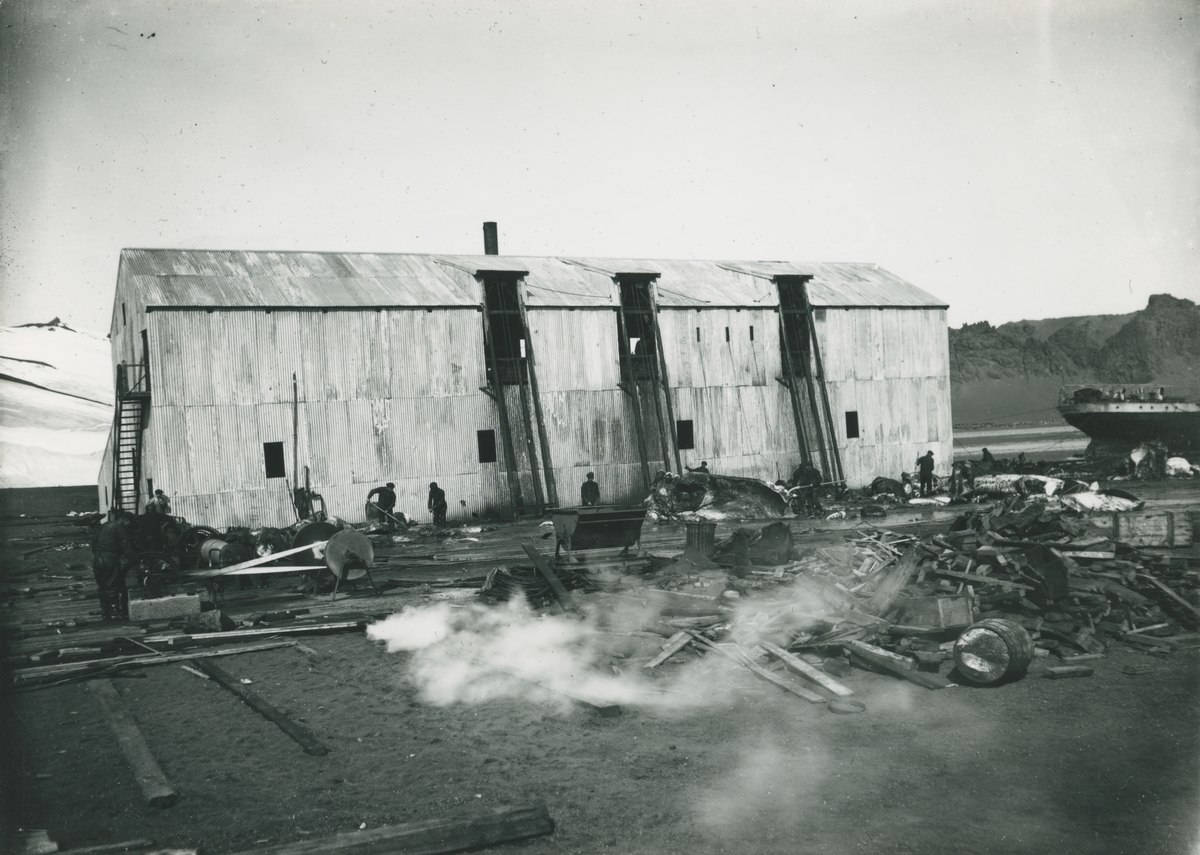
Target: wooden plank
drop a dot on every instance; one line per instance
(674, 644)
(560, 592)
(1170, 593)
(805, 670)
(257, 632)
(1152, 528)
(1060, 672)
(742, 658)
(106, 848)
(890, 588)
(308, 741)
(25, 675)
(255, 562)
(155, 789)
(983, 580)
(504, 824)
(871, 655)
(600, 705)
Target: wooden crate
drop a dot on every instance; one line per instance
(1153, 528)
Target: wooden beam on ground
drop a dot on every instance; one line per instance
(805, 670)
(560, 592)
(878, 658)
(674, 644)
(897, 578)
(107, 848)
(741, 657)
(600, 705)
(308, 741)
(155, 789)
(428, 837)
(26, 675)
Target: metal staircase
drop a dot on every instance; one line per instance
(129, 420)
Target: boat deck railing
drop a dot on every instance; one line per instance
(1103, 393)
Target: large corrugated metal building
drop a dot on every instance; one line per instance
(242, 375)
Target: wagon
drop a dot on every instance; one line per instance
(598, 527)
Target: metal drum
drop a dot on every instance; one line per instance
(702, 536)
(992, 649)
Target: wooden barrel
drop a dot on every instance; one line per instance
(991, 649)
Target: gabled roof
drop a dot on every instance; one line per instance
(168, 278)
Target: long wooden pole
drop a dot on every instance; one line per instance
(662, 378)
(543, 435)
(632, 389)
(789, 376)
(155, 788)
(510, 454)
(834, 457)
(308, 741)
(428, 837)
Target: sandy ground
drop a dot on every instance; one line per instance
(1108, 763)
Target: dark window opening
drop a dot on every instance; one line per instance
(507, 353)
(752, 332)
(273, 459)
(150, 486)
(852, 424)
(794, 328)
(683, 431)
(697, 333)
(727, 333)
(106, 496)
(639, 350)
(124, 319)
(487, 445)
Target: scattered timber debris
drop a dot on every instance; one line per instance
(1006, 585)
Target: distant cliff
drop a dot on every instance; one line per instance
(1013, 371)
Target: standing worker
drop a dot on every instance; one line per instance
(111, 553)
(386, 503)
(589, 491)
(925, 465)
(437, 503)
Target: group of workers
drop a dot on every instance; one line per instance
(385, 504)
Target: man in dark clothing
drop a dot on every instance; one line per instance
(386, 503)
(437, 503)
(111, 555)
(987, 457)
(925, 465)
(701, 469)
(589, 492)
(805, 481)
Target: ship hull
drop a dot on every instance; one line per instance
(1176, 425)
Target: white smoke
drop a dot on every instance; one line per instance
(474, 653)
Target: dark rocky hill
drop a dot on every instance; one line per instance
(1013, 372)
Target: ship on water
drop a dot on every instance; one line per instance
(1127, 416)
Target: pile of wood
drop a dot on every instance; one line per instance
(897, 603)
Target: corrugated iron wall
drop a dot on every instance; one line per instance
(383, 396)
(588, 418)
(892, 367)
(741, 415)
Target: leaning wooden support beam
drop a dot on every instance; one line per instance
(805, 670)
(157, 792)
(308, 741)
(891, 586)
(428, 837)
(674, 644)
(742, 658)
(560, 592)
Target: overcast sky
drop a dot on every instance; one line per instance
(1017, 159)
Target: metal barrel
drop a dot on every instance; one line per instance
(992, 649)
(702, 536)
(210, 551)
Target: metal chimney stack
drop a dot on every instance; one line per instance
(491, 243)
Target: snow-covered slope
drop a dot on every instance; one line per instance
(56, 394)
